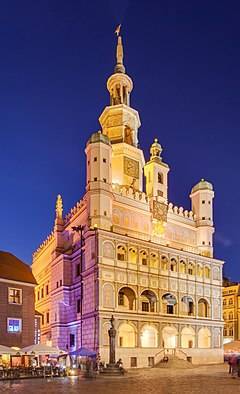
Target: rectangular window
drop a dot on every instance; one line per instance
(57, 285)
(133, 361)
(38, 295)
(78, 306)
(60, 282)
(47, 317)
(95, 159)
(170, 309)
(121, 341)
(42, 293)
(78, 269)
(46, 289)
(145, 306)
(151, 361)
(121, 298)
(160, 193)
(95, 179)
(14, 325)
(104, 180)
(14, 296)
(203, 201)
(104, 160)
(144, 261)
(72, 340)
(42, 319)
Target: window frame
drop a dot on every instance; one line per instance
(11, 302)
(20, 325)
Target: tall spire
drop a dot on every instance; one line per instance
(59, 207)
(119, 68)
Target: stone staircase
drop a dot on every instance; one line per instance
(174, 362)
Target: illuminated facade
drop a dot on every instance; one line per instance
(134, 254)
(231, 312)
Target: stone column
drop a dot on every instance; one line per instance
(112, 342)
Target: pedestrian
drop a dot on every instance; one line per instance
(233, 361)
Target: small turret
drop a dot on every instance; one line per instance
(99, 180)
(202, 195)
(156, 173)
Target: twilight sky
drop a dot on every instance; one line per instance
(56, 56)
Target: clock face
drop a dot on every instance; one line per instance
(131, 167)
(159, 211)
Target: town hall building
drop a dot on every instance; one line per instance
(125, 250)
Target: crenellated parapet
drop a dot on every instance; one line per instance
(43, 245)
(78, 207)
(180, 211)
(130, 192)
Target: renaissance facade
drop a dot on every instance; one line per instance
(128, 252)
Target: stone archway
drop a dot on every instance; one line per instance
(170, 337)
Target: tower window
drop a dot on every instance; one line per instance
(203, 242)
(160, 193)
(104, 160)
(209, 202)
(203, 218)
(104, 180)
(95, 179)
(105, 213)
(203, 201)
(160, 178)
(88, 162)
(95, 159)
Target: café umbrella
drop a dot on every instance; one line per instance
(83, 352)
(42, 350)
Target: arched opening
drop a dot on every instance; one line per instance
(126, 336)
(216, 273)
(173, 265)
(203, 308)
(207, 272)
(126, 298)
(121, 253)
(191, 269)
(183, 267)
(169, 335)
(187, 337)
(132, 255)
(108, 296)
(108, 250)
(148, 301)
(187, 306)
(160, 177)
(199, 271)
(143, 257)
(169, 303)
(148, 336)
(164, 263)
(204, 338)
(153, 260)
(230, 317)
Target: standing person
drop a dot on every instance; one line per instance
(233, 360)
(238, 366)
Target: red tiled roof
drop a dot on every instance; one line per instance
(14, 269)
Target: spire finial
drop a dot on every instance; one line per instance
(59, 207)
(119, 68)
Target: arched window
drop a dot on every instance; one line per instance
(169, 303)
(126, 336)
(148, 301)
(224, 316)
(230, 302)
(164, 263)
(160, 177)
(191, 269)
(225, 332)
(153, 260)
(173, 265)
(132, 255)
(203, 308)
(230, 331)
(182, 267)
(187, 305)
(199, 271)
(224, 302)
(121, 253)
(143, 257)
(169, 335)
(216, 273)
(188, 337)
(126, 298)
(207, 272)
(204, 338)
(149, 336)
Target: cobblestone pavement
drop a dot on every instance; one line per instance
(204, 379)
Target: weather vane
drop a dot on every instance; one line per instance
(118, 28)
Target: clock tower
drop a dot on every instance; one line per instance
(120, 123)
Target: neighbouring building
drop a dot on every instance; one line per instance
(125, 250)
(231, 312)
(17, 310)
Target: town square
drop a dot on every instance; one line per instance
(119, 255)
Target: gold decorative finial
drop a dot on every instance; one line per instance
(59, 207)
(119, 68)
